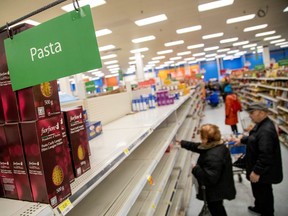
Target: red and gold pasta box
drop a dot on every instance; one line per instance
(77, 138)
(17, 159)
(39, 101)
(45, 153)
(9, 100)
(2, 120)
(6, 169)
(68, 161)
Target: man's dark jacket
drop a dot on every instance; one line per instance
(263, 154)
(214, 170)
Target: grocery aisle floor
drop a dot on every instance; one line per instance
(244, 198)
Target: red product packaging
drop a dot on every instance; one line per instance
(77, 137)
(45, 156)
(9, 100)
(39, 101)
(2, 120)
(68, 161)
(21, 177)
(6, 172)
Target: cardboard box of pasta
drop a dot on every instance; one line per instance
(9, 100)
(6, 169)
(93, 129)
(2, 120)
(68, 161)
(45, 155)
(77, 138)
(18, 162)
(39, 101)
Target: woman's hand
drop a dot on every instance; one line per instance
(236, 140)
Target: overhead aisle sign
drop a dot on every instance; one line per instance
(60, 47)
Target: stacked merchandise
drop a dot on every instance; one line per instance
(37, 141)
(94, 128)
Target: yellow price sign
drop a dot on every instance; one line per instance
(65, 206)
(126, 151)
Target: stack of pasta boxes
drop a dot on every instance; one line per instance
(41, 148)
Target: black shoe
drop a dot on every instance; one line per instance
(254, 210)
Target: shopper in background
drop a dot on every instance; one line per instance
(232, 107)
(224, 83)
(263, 159)
(213, 168)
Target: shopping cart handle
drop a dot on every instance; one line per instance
(231, 142)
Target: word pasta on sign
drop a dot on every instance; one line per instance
(41, 53)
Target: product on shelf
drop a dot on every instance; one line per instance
(45, 153)
(93, 129)
(77, 138)
(6, 169)
(9, 100)
(67, 158)
(18, 162)
(39, 101)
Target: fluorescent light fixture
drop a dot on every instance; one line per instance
(192, 62)
(164, 52)
(114, 72)
(151, 20)
(180, 63)
(284, 46)
(278, 41)
(249, 46)
(111, 62)
(253, 28)
(174, 43)
(265, 33)
(259, 47)
(189, 29)
(143, 39)
(252, 48)
(103, 32)
(132, 62)
(220, 56)
(223, 50)
(228, 40)
(199, 54)
(112, 75)
(160, 67)
(232, 51)
(211, 48)
(189, 59)
(200, 59)
(175, 58)
(240, 43)
(184, 53)
(272, 38)
(108, 56)
(240, 19)
(114, 69)
(211, 55)
(220, 34)
(139, 50)
(133, 57)
(240, 53)
(285, 10)
(229, 57)
(214, 5)
(112, 66)
(30, 22)
(280, 44)
(153, 62)
(169, 62)
(210, 59)
(158, 57)
(108, 47)
(92, 3)
(195, 46)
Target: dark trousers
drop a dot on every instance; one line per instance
(217, 208)
(264, 200)
(234, 129)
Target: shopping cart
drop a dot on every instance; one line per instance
(238, 162)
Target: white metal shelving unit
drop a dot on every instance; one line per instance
(119, 146)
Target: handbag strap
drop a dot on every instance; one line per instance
(203, 187)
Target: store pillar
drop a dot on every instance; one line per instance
(139, 67)
(64, 84)
(80, 87)
(266, 56)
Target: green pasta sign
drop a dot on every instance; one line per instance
(60, 47)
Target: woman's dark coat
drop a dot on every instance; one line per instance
(214, 170)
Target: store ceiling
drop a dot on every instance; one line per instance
(119, 17)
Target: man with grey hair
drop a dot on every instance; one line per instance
(263, 159)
